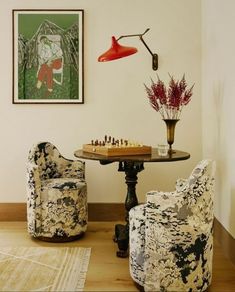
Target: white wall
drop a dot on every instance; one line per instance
(115, 99)
(218, 102)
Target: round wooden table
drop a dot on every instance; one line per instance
(131, 165)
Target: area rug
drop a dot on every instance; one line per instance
(43, 268)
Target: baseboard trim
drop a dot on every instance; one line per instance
(96, 212)
(106, 212)
(13, 212)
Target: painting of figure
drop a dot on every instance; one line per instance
(48, 56)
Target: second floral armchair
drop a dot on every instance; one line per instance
(171, 236)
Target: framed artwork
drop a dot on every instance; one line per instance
(48, 49)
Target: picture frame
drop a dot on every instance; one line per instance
(48, 56)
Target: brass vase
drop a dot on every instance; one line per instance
(170, 125)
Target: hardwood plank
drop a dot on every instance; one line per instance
(106, 272)
(115, 212)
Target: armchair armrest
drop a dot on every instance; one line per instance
(162, 223)
(167, 210)
(33, 178)
(33, 198)
(71, 168)
(161, 201)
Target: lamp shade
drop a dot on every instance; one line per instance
(116, 51)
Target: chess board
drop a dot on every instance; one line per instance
(116, 150)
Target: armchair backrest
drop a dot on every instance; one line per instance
(197, 191)
(46, 156)
(205, 168)
(199, 196)
(200, 183)
(201, 178)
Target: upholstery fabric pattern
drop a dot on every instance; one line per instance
(171, 236)
(56, 194)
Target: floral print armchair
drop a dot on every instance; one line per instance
(56, 195)
(171, 236)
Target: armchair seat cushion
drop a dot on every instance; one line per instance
(63, 208)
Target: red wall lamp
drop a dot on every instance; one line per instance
(118, 51)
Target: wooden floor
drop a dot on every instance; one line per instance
(107, 272)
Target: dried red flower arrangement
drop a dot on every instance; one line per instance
(169, 101)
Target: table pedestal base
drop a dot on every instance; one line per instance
(131, 169)
(122, 239)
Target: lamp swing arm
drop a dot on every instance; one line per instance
(140, 35)
(154, 56)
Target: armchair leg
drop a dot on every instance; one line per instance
(61, 238)
(139, 287)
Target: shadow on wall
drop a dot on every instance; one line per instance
(217, 144)
(232, 213)
(225, 168)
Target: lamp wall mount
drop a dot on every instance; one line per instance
(154, 56)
